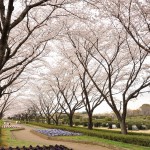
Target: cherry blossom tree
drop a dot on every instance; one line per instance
(67, 84)
(5, 103)
(90, 96)
(124, 72)
(44, 103)
(134, 17)
(25, 29)
(123, 68)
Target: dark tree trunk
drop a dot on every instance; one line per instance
(71, 120)
(48, 120)
(123, 126)
(26, 118)
(57, 121)
(1, 115)
(122, 120)
(37, 119)
(90, 123)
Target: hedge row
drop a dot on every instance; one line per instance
(104, 124)
(141, 139)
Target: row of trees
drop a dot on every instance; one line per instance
(25, 29)
(103, 54)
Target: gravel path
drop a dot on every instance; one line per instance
(26, 135)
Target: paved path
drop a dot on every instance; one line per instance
(26, 135)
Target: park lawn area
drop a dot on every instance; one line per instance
(8, 140)
(99, 141)
(102, 142)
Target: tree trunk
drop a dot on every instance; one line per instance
(123, 126)
(71, 121)
(48, 120)
(37, 119)
(1, 115)
(57, 121)
(90, 123)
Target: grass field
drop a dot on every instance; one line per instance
(8, 140)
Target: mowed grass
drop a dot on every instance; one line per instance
(9, 141)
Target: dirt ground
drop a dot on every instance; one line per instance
(26, 135)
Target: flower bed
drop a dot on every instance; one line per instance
(50, 147)
(10, 126)
(56, 132)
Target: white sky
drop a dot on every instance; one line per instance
(134, 104)
(104, 108)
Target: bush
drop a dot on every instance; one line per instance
(148, 126)
(129, 126)
(108, 119)
(77, 123)
(104, 125)
(97, 124)
(139, 126)
(148, 117)
(85, 124)
(118, 125)
(110, 125)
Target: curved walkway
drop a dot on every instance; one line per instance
(26, 135)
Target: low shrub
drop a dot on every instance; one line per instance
(148, 118)
(129, 127)
(148, 126)
(77, 123)
(109, 125)
(97, 124)
(108, 119)
(118, 125)
(85, 124)
(140, 127)
(104, 125)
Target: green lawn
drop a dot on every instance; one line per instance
(8, 140)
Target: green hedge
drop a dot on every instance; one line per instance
(132, 138)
